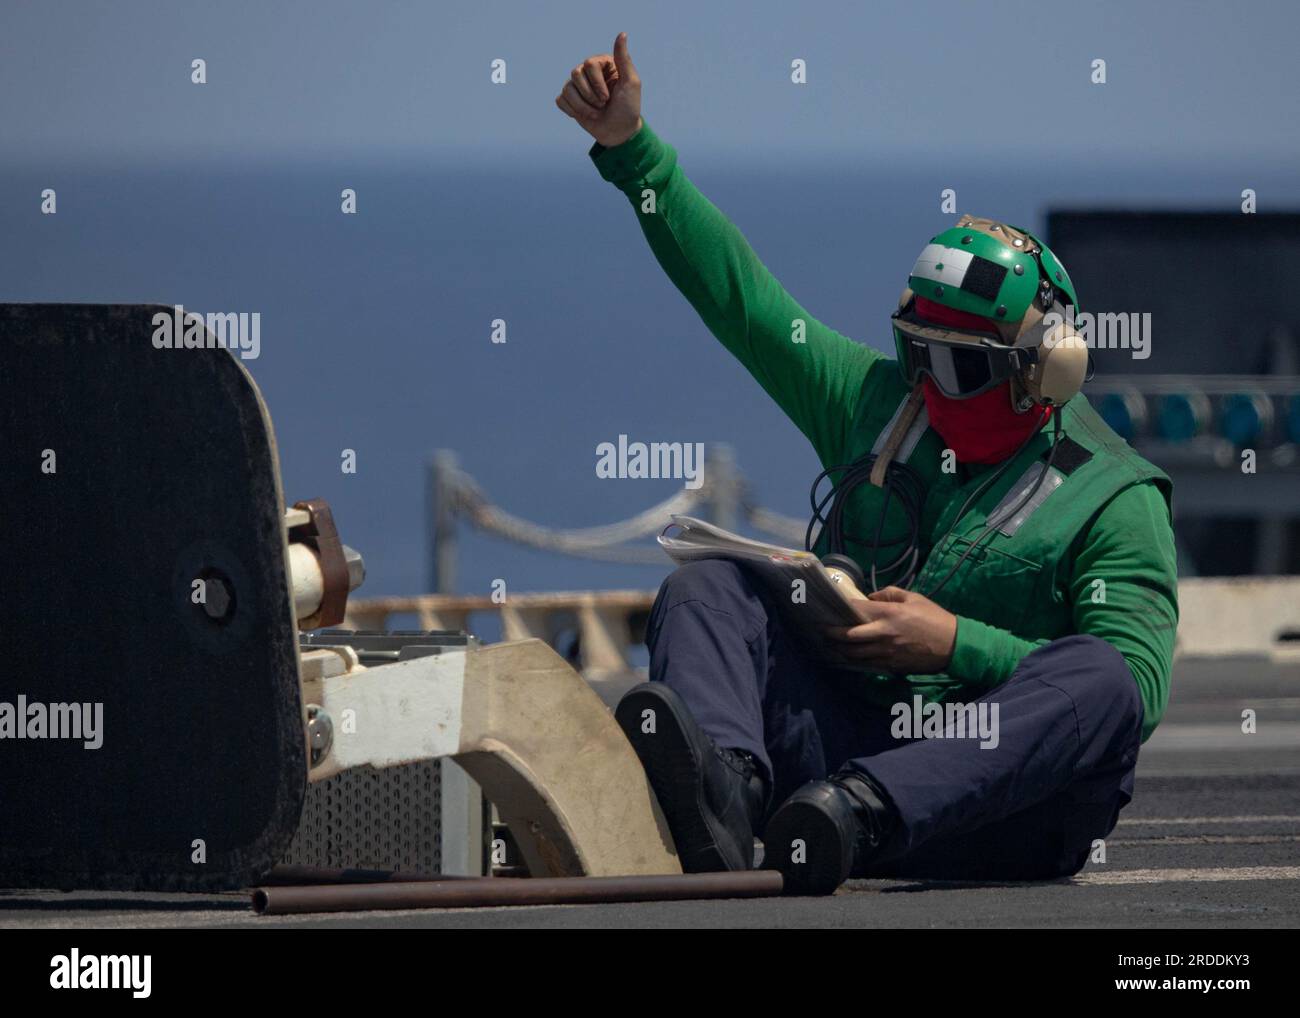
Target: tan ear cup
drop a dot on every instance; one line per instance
(1061, 368)
(905, 298)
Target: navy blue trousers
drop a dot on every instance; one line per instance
(1069, 725)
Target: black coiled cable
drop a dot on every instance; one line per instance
(901, 482)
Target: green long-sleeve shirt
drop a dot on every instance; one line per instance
(819, 382)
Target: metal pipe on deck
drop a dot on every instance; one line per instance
(490, 891)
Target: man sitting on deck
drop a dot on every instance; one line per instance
(1037, 578)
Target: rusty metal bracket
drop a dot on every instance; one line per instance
(320, 534)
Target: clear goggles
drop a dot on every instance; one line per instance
(961, 363)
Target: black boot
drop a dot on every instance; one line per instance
(711, 797)
(825, 831)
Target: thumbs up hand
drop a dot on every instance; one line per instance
(603, 95)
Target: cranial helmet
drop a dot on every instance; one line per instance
(1007, 277)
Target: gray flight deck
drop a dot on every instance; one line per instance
(1212, 839)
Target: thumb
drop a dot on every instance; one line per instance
(889, 594)
(622, 60)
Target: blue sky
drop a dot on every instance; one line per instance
(979, 80)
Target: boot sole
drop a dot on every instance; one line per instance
(674, 770)
(826, 859)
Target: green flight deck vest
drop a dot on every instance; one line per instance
(1016, 579)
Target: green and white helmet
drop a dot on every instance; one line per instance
(973, 315)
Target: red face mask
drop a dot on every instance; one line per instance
(983, 429)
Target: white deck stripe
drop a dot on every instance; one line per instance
(1271, 818)
(1229, 736)
(1208, 839)
(1203, 876)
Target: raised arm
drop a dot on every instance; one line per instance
(814, 373)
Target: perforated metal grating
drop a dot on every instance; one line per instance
(371, 819)
(389, 819)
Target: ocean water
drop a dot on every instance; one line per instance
(375, 328)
